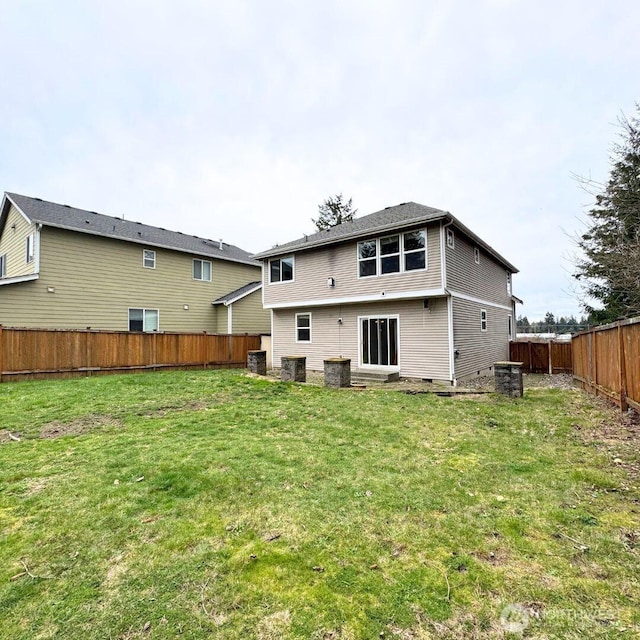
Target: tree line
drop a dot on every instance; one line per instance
(551, 324)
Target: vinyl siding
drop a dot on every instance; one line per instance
(96, 280)
(487, 280)
(222, 322)
(478, 350)
(312, 268)
(249, 316)
(424, 348)
(13, 244)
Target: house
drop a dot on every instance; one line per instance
(408, 291)
(67, 268)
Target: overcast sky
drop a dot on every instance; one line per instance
(235, 119)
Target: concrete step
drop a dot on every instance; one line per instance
(364, 376)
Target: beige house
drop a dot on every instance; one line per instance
(66, 268)
(407, 291)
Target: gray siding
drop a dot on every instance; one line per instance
(424, 346)
(312, 268)
(486, 281)
(478, 350)
(95, 280)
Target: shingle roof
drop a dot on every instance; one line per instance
(388, 219)
(239, 293)
(65, 217)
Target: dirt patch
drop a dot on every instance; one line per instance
(9, 436)
(57, 429)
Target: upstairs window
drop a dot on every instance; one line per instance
(303, 327)
(451, 239)
(476, 255)
(281, 269)
(30, 248)
(202, 270)
(144, 320)
(149, 259)
(415, 250)
(483, 320)
(393, 254)
(3, 266)
(508, 284)
(367, 258)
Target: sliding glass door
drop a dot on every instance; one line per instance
(379, 341)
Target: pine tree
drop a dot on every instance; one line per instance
(334, 211)
(610, 270)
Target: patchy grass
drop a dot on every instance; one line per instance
(213, 504)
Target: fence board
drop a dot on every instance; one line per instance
(45, 353)
(606, 361)
(542, 357)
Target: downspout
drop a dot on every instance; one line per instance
(443, 268)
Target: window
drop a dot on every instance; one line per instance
(451, 239)
(476, 255)
(29, 255)
(303, 327)
(281, 269)
(415, 250)
(483, 320)
(144, 320)
(3, 266)
(393, 254)
(510, 327)
(367, 258)
(202, 270)
(390, 254)
(508, 284)
(149, 259)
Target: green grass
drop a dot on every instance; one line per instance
(213, 504)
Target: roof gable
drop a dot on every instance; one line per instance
(65, 217)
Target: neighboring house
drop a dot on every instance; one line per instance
(66, 268)
(407, 290)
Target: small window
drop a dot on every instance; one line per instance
(303, 327)
(3, 266)
(202, 270)
(476, 255)
(281, 269)
(390, 254)
(367, 258)
(144, 320)
(415, 250)
(508, 283)
(483, 320)
(149, 259)
(451, 239)
(30, 251)
(510, 327)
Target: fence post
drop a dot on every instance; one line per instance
(530, 357)
(623, 370)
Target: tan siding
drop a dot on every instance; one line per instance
(249, 315)
(96, 280)
(424, 350)
(487, 280)
(478, 350)
(13, 244)
(222, 322)
(312, 268)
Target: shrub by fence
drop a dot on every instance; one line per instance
(542, 357)
(606, 361)
(48, 353)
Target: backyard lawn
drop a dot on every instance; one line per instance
(213, 504)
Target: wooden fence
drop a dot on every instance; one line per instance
(606, 361)
(49, 353)
(542, 357)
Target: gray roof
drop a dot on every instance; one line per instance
(63, 216)
(389, 219)
(232, 296)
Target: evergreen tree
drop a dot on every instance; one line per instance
(334, 211)
(610, 270)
